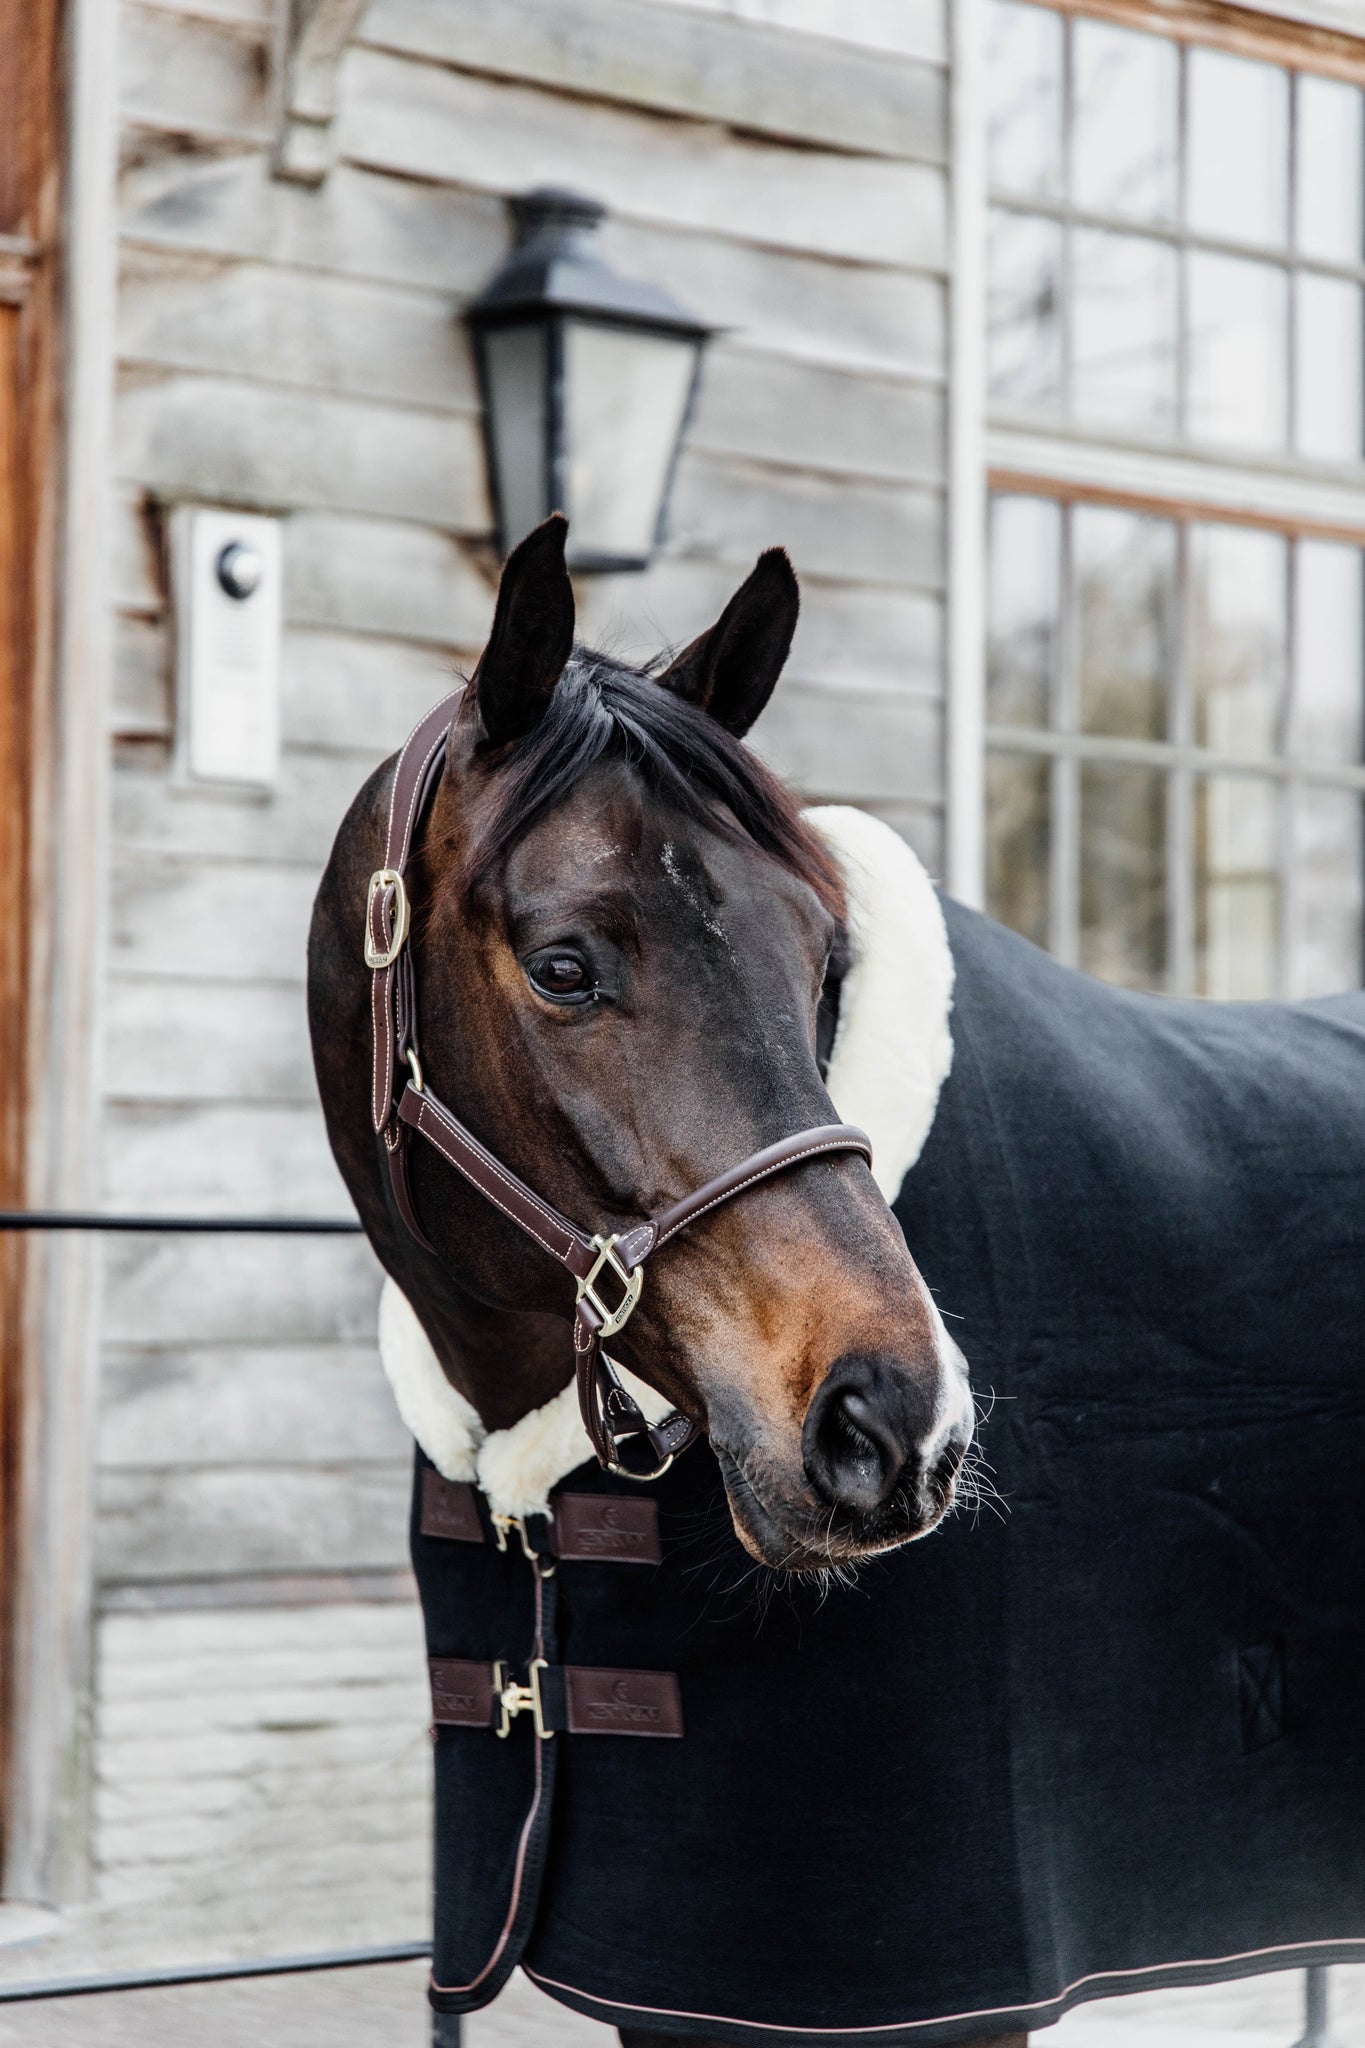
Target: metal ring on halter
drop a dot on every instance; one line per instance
(416, 1068)
(640, 1478)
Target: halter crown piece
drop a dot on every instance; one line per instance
(608, 1270)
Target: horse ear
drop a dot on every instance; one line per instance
(731, 669)
(532, 634)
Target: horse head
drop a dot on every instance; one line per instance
(627, 945)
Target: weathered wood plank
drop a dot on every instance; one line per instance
(187, 76)
(260, 1290)
(428, 123)
(364, 225)
(809, 415)
(296, 822)
(218, 1405)
(137, 575)
(847, 747)
(234, 442)
(357, 224)
(913, 28)
(213, 1522)
(177, 1041)
(212, 315)
(140, 706)
(255, 1159)
(712, 67)
(207, 921)
(388, 577)
(834, 528)
(360, 696)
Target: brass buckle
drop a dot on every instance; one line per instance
(387, 878)
(514, 1699)
(613, 1319)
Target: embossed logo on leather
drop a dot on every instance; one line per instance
(461, 1693)
(601, 1526)
(449, 1510)
(623, 1702)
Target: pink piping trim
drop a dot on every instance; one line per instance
(524, 1837)
(944, 2019)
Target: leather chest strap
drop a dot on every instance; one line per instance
(570, 1699)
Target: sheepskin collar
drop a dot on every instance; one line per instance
(892, 1052)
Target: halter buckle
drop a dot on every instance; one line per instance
(386, 878)
(612, 1319)
(514, 1699)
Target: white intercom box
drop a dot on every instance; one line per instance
(226, 569)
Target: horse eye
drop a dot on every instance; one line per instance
(560, 976)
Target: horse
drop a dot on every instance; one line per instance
(642, 972)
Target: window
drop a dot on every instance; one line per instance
(1176, 363)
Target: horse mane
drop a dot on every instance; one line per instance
(603, 710)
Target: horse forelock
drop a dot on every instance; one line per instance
(604, 712)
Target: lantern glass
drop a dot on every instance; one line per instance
(515, 366)
(625, 395)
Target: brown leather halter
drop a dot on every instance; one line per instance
(610, 1415)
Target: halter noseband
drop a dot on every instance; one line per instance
(611, 1263)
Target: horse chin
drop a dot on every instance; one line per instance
(808, 1540)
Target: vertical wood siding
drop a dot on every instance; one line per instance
(780, 163)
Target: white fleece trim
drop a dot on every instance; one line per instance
(891, 1056)
(517, 1467)
(893, 1048)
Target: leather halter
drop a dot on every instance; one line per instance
(610, 1414)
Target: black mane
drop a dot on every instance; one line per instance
(602, 710)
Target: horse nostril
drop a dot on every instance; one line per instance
(853, 1454)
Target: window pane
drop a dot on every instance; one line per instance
(1123, 873)
(1237, 890)
(1238, 375)
(1239, 148)
(1329, 894)
(1124, 115)
(1023, 328)
(1331, 194)
(1024, 97)
(1329, 675)
(1024, 579)
(1237, 637)
(1125, 597)
(1329, 368)
(1123, 338)
(1017, 842)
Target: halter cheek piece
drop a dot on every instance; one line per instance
(608, 1270)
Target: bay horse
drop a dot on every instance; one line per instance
(1029, 1762)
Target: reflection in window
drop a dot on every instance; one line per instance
(1327, 860)
(1023, 311)
(1238, 606)
(1238, 169)
(1024, 98)
(1123, 341)
(1025, 561)
(1123, 873)
(1237, 349)
(1125, 604)
(1125, 133)
(1331, 170)
(1329, 369)
(1236, 887)
(1017, 853)
(1329, 686)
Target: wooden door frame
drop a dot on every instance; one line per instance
(57, 184)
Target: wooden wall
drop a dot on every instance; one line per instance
(780, 163)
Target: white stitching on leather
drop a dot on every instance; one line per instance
(487, 1193)
(764, 1173)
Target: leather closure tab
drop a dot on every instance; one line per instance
(462, 1692)
(594, 1528)
(449, 1509)
(603, 1702)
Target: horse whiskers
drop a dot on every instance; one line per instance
(976, 1488)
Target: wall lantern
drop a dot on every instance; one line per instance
(587, 378)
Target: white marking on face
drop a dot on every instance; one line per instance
(693, 897)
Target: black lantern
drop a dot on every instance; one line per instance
(588, 378)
